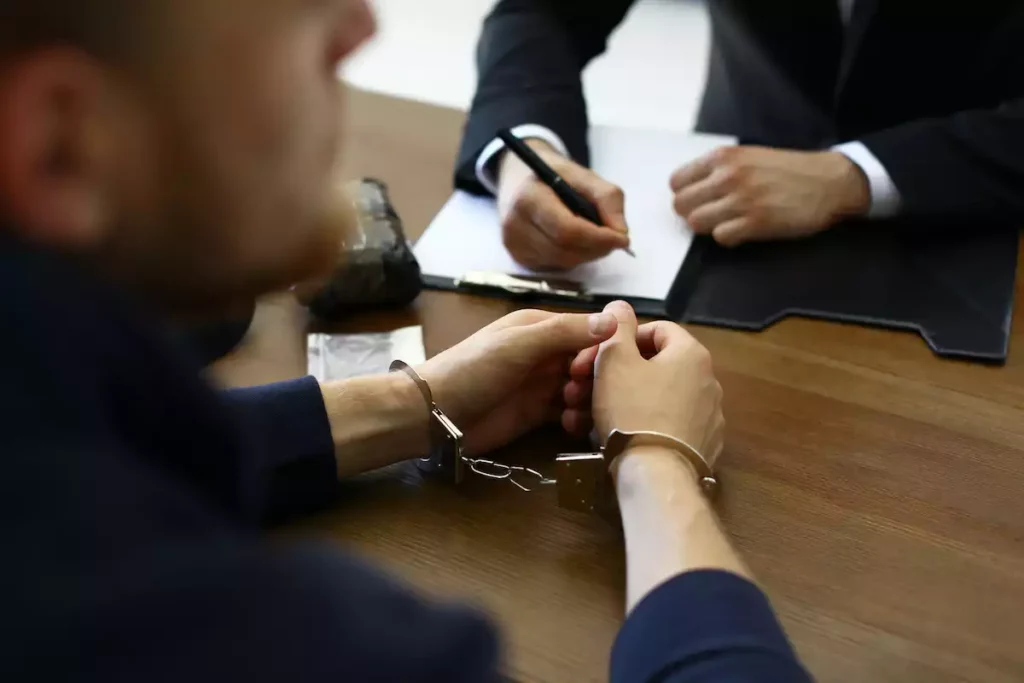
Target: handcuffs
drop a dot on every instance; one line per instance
(583, 480)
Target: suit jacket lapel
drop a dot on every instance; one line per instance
(863, 14)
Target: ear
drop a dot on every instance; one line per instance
(54, 160)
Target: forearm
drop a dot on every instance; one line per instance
(966, 166)
(669, 526)
(530, 57)
(375, 421)
(694, 614)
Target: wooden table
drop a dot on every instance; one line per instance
(876, 490)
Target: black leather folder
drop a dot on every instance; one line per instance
(951, 284)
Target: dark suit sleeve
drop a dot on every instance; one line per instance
(287, 422)
(704, 627)
(224, 611)
(967, 166)
(146, 580)
(530, 57)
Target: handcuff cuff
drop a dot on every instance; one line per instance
(583, 480)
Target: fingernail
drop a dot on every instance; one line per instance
(600, 324)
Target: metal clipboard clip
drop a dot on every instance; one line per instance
(522, 285)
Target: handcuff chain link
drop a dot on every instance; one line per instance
(497, 470)
(479, 466)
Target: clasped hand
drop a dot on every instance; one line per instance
(533, 367)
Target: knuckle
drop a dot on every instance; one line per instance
(562, 321)
(698, 221)
(511, 224)
(680, 205)
(684, 203)
(756, 214)
(527, 316)
(723, 155)
(729, 240)
(678, 178)
(701, 357)
(732, 176)
(611, 194)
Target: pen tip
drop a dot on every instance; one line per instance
(629, 250)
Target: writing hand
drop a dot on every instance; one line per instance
(537, 228)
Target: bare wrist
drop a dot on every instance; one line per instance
(851, 190)
(505, 159)
(643, 467)
(376, 421)
(669, 525)
(412, 413)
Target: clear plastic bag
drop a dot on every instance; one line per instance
(334, 357)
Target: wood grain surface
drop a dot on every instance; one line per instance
(876, 490)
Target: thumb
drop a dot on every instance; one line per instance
(624, 338)
(572, 332)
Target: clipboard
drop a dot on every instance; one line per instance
(552, 291)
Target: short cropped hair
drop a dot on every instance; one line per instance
(100, 27)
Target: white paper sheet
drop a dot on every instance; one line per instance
(466, 235)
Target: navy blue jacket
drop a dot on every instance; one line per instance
(131, 498)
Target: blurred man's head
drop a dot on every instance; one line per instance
(183, 146)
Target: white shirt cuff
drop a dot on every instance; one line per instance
(485, 174)
(885, 197)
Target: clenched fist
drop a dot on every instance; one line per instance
(743, 194)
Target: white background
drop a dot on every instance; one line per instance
(652, 76)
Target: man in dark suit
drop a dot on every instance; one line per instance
(844, 108)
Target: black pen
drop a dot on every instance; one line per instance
(572, 199)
